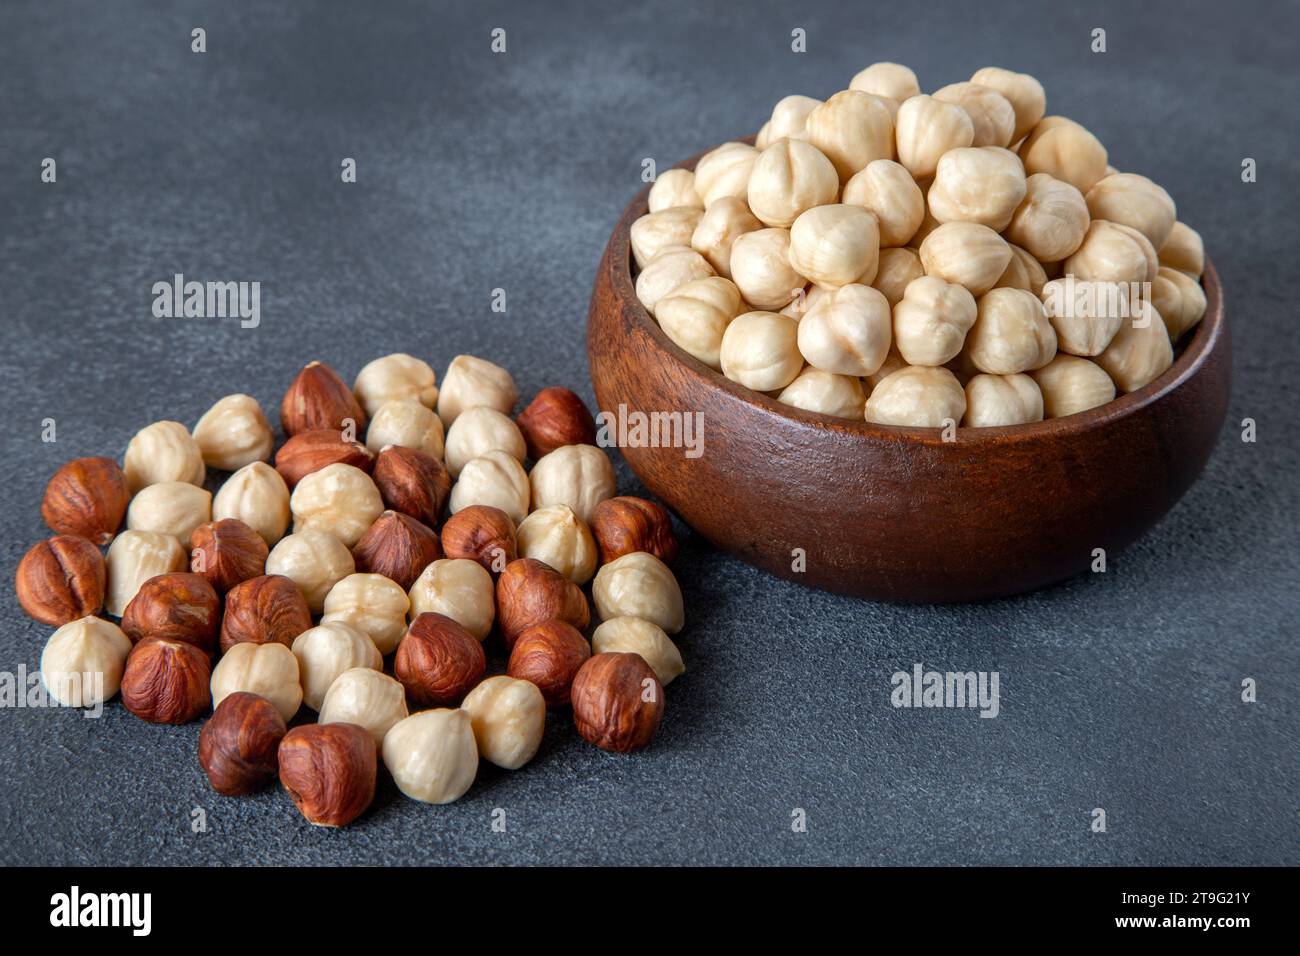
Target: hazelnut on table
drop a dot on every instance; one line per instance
(326, 651)
(258, 496)
(459, 588)
(133, 558)
(639, 585)
(313, 560)
(508, 717)
(432, 755)
(233, 433)
(87, 497)
(367, 698)
(268, 670)
(61, 580)
(83, 662)
(393, 378)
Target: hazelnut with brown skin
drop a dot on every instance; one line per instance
(397, 546)
(175, 607)
(438, 661)
(318, 398)
(554, 418)
(87, 497)
(549, 656)
(61, 580)
(480, 533)
(530, 592)
(226, 553)
(412, 483)
(166, 681)
(239, 743)
(312, 450)
(329, 771)
(617, 702)
(626, 524)
(264, 610)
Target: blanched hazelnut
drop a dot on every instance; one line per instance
(898, 267)
(852, 129)
(967, 253)
(761, 269)
(994, 400)
(326, 651)
(1023, 92)
(508, 717)
(667, 272)
(258, 496)
(233, 433)
(170, 507)
(625, 524)
(133, 558)
(654, 232)
(1070, 384)
(1064, 150)
(886, 188)
(339, 499)
(790, 118)
(1111, 252)
(548, 655)
(83, 662)
(932, 321)
(372, 604)
(639, 585)
(368, 698)
(847, 331)
(1011, 333)
(459, 588)
(555, 535)
(474, 381)
(993, 118)
(674, 188)
(407, 423)
(494, 478)
(432, 755)
(314, 560)
(1179, 299)
(917, 396)
(268, 670)
(166, 681)
(1183, 250)
(394, 378)
(789, 177)
(163, 451)
(580, 476)
(1140, 351)
(718, 228)
(892, 80)
(696, 316)
(983, 185)
(826, 393)
(397, 547)
(835, 244)
(1136, 202)
(1022, 272)
(724, 171)
(1051, 220)
(632, 635)
(555, 417)
(1085, 314)
(760, 351)
(926, 128)
(478, 431)
(893, 362)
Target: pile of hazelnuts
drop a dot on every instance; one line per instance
(365, 568)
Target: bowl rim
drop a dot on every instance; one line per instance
(1185, 365)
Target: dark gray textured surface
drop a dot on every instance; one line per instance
(477, 171)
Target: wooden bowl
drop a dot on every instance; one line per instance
(896, 513)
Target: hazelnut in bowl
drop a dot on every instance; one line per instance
(918, 491)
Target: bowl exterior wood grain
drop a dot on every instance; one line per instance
(897, 513)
